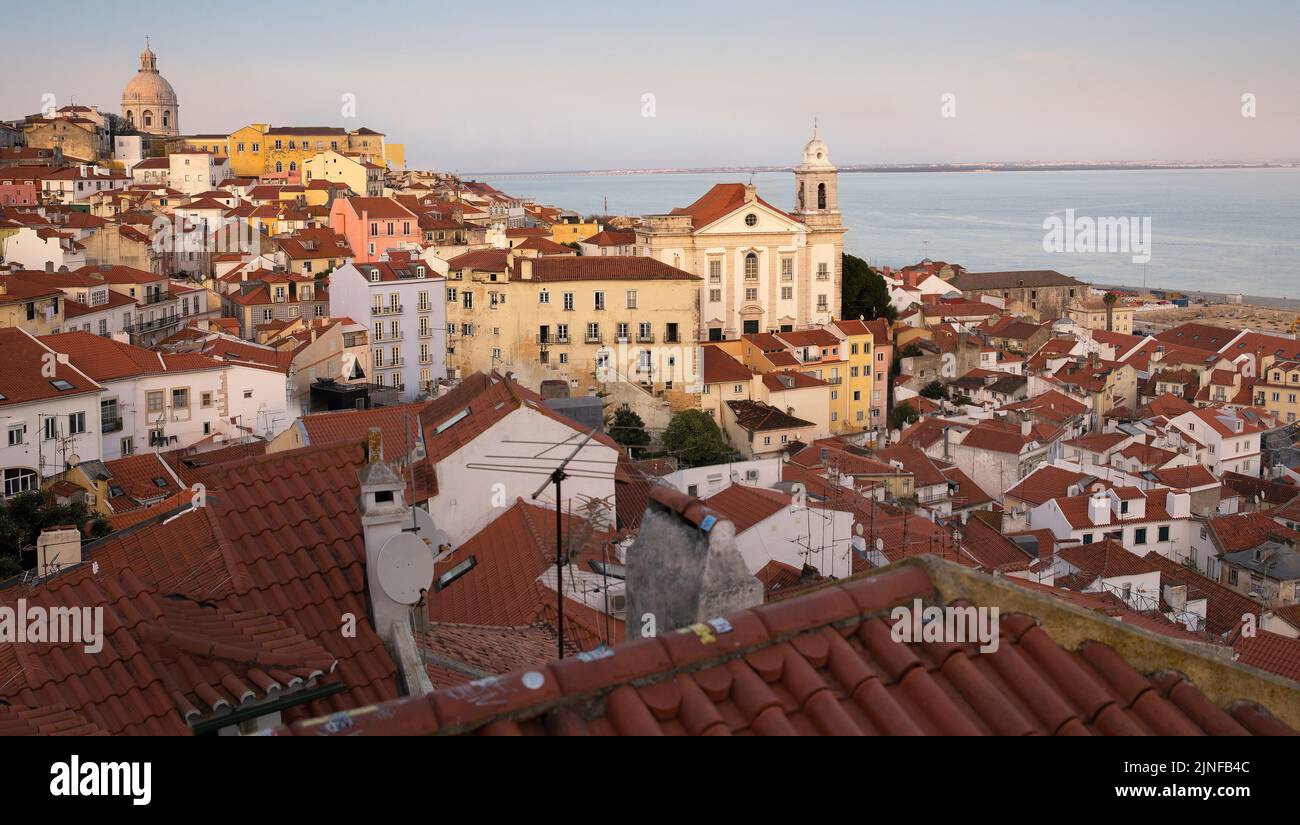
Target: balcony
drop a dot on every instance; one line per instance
(835, 381)
(592, 338)
(386, 310)
(672, 338)
(648, 338)
(110, 425)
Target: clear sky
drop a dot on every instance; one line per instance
(513, 86)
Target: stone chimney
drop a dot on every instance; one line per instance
(684, 567)
(384, 513)
(57, 548)
(751, 193)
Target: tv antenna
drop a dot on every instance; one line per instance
(557, 477)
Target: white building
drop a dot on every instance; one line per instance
(162, 401)
(403, 301)
(1141, 521)
(514, 441)
(706, 480)
(1231, 442)
(764, 270)
(43, 248)
(772, 526)
(195, 172)
(49, 412)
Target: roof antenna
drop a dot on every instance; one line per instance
(558, 475)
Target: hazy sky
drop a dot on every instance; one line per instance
(512, 86)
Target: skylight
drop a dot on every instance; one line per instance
(60, 385)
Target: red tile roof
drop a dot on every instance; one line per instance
(720, 368)
(1224, 607)
(1269, 651)
(718, 202)
(513, 552)
(22, 378)
(166, 662)
(745, 506)
(824, 663)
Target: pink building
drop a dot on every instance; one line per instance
(19, 185)
(372, 226)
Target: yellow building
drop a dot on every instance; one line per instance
(36, 308)
(361, 176)
(1278, 389)
(1090, 313)
(582, 320)
(260, 149)
(858, 344)
(573, 232)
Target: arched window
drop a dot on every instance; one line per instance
(130, 119)
(167, 119)
(821, 196)
(147, 117)
(279, 167)
(801, 200)
(293, 166)
(751, 267)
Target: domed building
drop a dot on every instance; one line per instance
(149, 101)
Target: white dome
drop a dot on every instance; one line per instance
(149, 87)
(815, 153)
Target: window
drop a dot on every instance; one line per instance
(787, 293)
(751, 294)
(715, 296)
(543, 297)
(631, 299)
(715, 271)
(154, 401)
(751, 219)
(76, 423)
(1164, 533)
(16, 436)
(18, 480)
(568, 301)
(181, 399)
(600, 300)
(1140, 535)
(751, 267)
(1087, 538)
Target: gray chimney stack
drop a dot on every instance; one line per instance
(684, 567)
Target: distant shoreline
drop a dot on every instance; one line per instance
(1260, 301)
(914, 167)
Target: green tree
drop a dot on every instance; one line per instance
(902, 415)
(864, 292)
(934, 390)
(627, 428)
(695, 439)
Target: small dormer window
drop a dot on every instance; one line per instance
(374, 275)
(419, 272)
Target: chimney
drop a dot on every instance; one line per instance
(1179, 505)
(684, 567)
(751, 193)
(1026, 427)
(399, 565)
(57, 548)
(49, 266)
(1099, 509)
(526, 269)
(1176, 596)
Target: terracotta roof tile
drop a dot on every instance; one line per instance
(823, 663)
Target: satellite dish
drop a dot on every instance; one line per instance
(74, 460)
(880, 545)
(405, 568)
